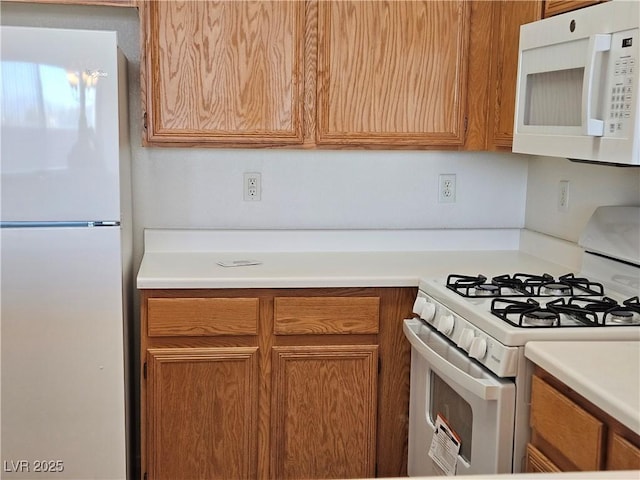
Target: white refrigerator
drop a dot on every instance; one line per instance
(65, 254)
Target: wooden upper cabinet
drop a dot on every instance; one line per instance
(223, 72)
(508, 16)
(392, 72)
(556, 7)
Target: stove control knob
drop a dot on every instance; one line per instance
(428, 311)
(445, 324)
(466, 338)
(418, 305)
(478, 348)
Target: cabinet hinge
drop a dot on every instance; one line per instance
(144, 373)
(144, 120)
(466, 124)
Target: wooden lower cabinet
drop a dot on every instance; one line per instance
(274, 383)
(324, 411)
(202, 407)
(568, 433)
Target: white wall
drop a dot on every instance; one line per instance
(202, 188)
(590, 186)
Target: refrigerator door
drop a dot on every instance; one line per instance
(59, 153)
(63, 386)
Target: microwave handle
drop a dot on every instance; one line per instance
(593, 127)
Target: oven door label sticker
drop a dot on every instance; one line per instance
(445, 446)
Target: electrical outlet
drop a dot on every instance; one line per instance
(252, 187)
(447, 188)
(563, 196)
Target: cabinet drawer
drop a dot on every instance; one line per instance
(566, 426)
(202, 316)
(537, 462)
(326, 315)
(623, 455)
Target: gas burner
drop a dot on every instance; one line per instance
(527, 313)
(611, 313)
(619, 317)
(487, 290)
(565, 285)
(539, 318)
(555, 289)
(478, 286)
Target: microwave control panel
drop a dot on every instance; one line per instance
(623, 90)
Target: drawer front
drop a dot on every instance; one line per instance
(326, 315)
(566, 426)
(167, 317)
(537, 462)
(623, 455)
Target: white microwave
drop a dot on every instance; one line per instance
(577, 92)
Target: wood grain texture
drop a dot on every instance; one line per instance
(202, 406)
(220, 71)
(393, 352)
(622, 454)
(106, 3)
(479, 63)
(566, 426)
(396, 304)
(555, 7)
(202, 316)
(324, 412)
(508, 16)
(326, 315)
(537, 462)
(392, 72)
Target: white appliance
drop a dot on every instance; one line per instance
(65, 254)
(577, 88)
(468, 337)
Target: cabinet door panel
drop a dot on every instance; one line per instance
(324, 412)
(537, 462)
(224, 71)
(623, 455)
(202, 412)
(555, 7)
(392, 72)
(566, 426)
(508, 17)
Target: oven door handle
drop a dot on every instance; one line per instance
(486, 389)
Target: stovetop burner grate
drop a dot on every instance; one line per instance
(576, 312)
(523, 285)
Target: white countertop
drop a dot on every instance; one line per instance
(189, 259)
(605, 373)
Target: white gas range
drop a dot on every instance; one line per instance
(470, 380)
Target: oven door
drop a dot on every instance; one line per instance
(475, 404)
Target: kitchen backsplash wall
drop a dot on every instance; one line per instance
(202, 188)
(590, 186)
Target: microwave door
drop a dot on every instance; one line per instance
(577, 86)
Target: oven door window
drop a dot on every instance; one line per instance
(455, 409)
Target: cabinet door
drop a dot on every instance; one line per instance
(201, 413)
(622, 454)
(566, 427)
(224, 72)
(537, 462)
(555, 7)
(392, 72)
(507, 19)
(324, 412)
